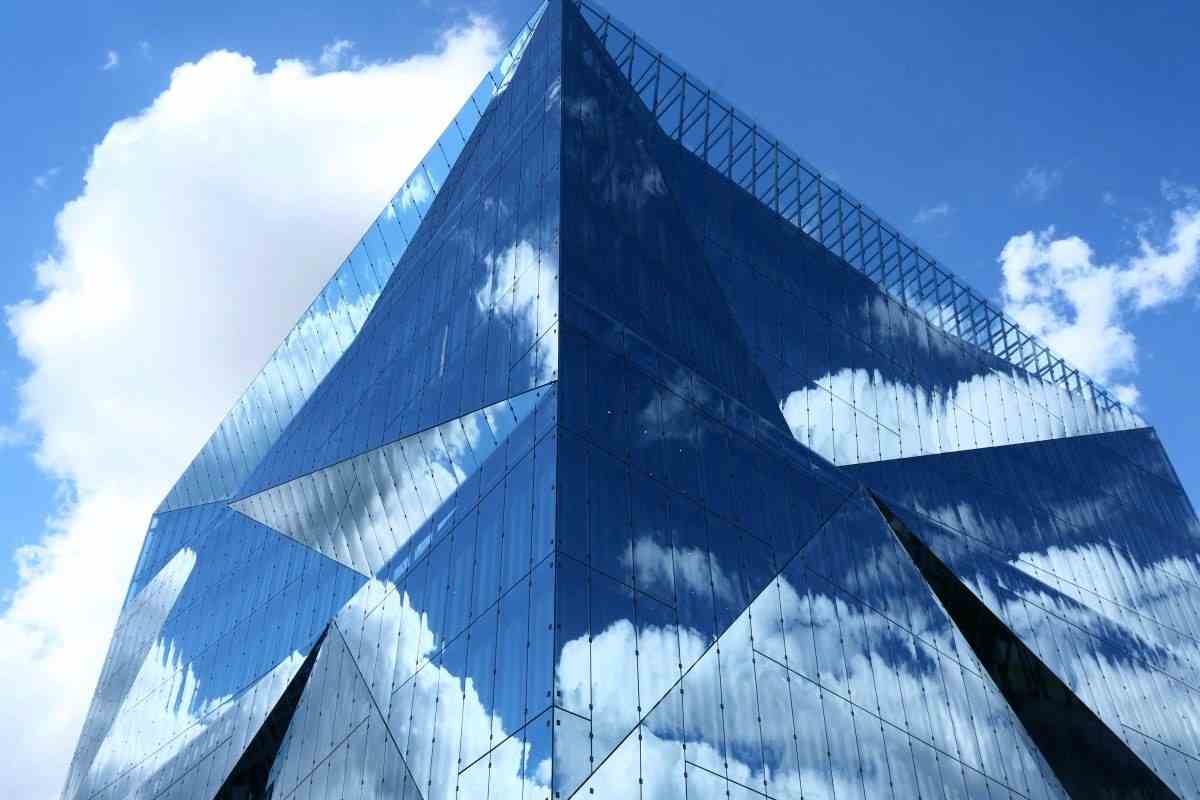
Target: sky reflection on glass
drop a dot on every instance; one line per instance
(560, 488)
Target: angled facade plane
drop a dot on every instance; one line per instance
(628, 456)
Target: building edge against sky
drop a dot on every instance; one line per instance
(605, 285)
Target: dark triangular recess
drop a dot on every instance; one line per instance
(249, 779)
(1088, 758)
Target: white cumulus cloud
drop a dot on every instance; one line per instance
(1056, 288)
(206, 224)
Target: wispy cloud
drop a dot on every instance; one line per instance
(12, 437)
(1038, 182)
(43, 180)
(1108, 198)
(144, 48)
(112, 60)
(1179, 193)
(337, 53)
(1057, 289)
(930, 213)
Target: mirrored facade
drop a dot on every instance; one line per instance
(626, 456)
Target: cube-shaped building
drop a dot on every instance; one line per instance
(627, 456)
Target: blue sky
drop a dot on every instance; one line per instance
(913, 108)
(965, 127)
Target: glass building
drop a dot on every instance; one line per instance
(627, 456)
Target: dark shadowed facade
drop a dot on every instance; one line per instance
(625, 456)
